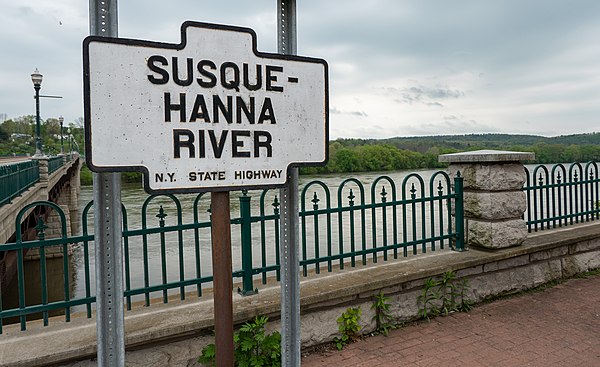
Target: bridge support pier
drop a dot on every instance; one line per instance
(494, 202)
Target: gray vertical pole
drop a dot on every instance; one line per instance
(289, 258)
(107, 230)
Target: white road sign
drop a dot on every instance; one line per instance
(211, 113)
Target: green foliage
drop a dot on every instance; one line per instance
(464, 305)
(85, 177)
(384, 321)
(253, 348)
(441, 297)
(348, 326)
(359, 155)
(426, 299)
(126, 177)
(131, 177)
(4, 135)
(17, 136)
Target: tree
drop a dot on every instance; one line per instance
(4, 135)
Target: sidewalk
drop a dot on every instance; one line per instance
(557, 327)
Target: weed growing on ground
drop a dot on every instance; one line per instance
(348, 326)
(383, 315)
(253, 348)
(441, 297)
(426, 299)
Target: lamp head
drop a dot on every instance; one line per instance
(36, 78)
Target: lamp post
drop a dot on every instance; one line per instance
(36, 78)
(61, 120)
(70, 141)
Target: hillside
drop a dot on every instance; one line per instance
(422, 144)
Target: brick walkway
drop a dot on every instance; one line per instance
(557, 327)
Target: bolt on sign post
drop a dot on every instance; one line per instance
(208, 114)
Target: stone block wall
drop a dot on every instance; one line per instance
(494, 202)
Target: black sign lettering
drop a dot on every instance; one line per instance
(152, 65)
(188, 143)
(199, 110)
(189, 72)
(262, 143)
(218, 105)
(202, 69)
(246, 109)
(266, 113)
(217, 146)
(236, 143)
(258, 77)
(233, 82)
(270, 78)
(169, 107)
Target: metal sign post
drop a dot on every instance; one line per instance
(289, 258)
(222, 281)
(107, 230)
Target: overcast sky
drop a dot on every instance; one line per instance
(397, 68)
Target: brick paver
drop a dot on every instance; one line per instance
(557, 327)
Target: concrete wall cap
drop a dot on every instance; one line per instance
(486, 156)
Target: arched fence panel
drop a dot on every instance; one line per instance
(167, 241)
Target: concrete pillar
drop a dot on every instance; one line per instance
(43, 166)
(494, 202)
(73, 202)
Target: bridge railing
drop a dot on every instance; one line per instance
(559, 195)
(16, 178)
(345, 226)
(54, 163)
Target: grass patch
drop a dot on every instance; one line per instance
(588, 274)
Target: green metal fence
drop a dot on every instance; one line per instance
(559, 196)
(54, 163)
(16, 178)
(169, 254)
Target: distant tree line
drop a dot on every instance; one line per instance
(361, 155)
(345, 155)
(17, 136)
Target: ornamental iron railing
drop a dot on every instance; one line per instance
(169, 255)
(558, 196)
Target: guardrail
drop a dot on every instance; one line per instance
(560, 196)
(16, 178)
(353, 227)
(54, 163)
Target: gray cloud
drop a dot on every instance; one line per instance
(511, 60)
(429, 96)
(335, 111)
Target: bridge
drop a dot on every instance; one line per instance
(26, 180)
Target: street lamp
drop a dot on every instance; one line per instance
(36, 78)
(70, 141)
(61, 120)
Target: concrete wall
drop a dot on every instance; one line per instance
(177, 332)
